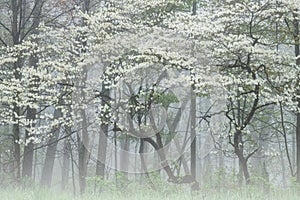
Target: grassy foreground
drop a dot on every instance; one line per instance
(238, 194)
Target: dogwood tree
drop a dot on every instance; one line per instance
(240, 43)
(137, 70)
(44, 86)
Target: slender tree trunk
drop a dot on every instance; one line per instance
(73, 171)
(195, 185)
(238, 148)
(172, 131)
(101, 158)
(1, 165)
(14, 26)
(16, 127)
(297, 53)
(66, 164)
(31, 112)
(244, 166)
(17, 151)
(283, 163)
(102, 143)
(29, 148)
(240, 175)
(29, 137)
(222, 168)
(47, 171)
(245, 170)
(83, 144)
(145, 174)
(116, 156)
(193, 134)
(241, 157)
(294, 155)
(18, 22)
(207, 166)
(124, 159)
(35, 165)
(298, 146)
(141, 151)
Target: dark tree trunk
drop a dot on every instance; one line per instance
(17, 153)
(245, 170)
(158, 146)
(298, 146)
(18, 20)
(29, 137)
(195, 185)
(238, 149)
(1, 165)
(16, 127)
(29, 148)
(31, 112)
(47, 171)
(297, 53)
(141, 151)
(193, 134)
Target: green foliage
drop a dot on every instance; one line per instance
(165, 99)
(221, 180)
(98, 184)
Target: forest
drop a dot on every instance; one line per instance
(156, 99)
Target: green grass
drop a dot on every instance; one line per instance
(233, 194)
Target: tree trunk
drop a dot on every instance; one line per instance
(283, 163)
(83, 144)
(17, 153)
(102, 144)
(238, 149)
(297, 53)
(124, 159)
(240, 175)
(16, 108)
(172, 125)
(31, 112)
(193, 133)
(29, 137)
(73, 170)
(18, 20)
(141, 151)
(243, 162)
(1, 165)
(298, 146)
(66, 164)
(35, 165)
(195, 185)
(294, 155)
(101, 158)
(47, 171)
(29, 148)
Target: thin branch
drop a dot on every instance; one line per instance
(251, 154)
